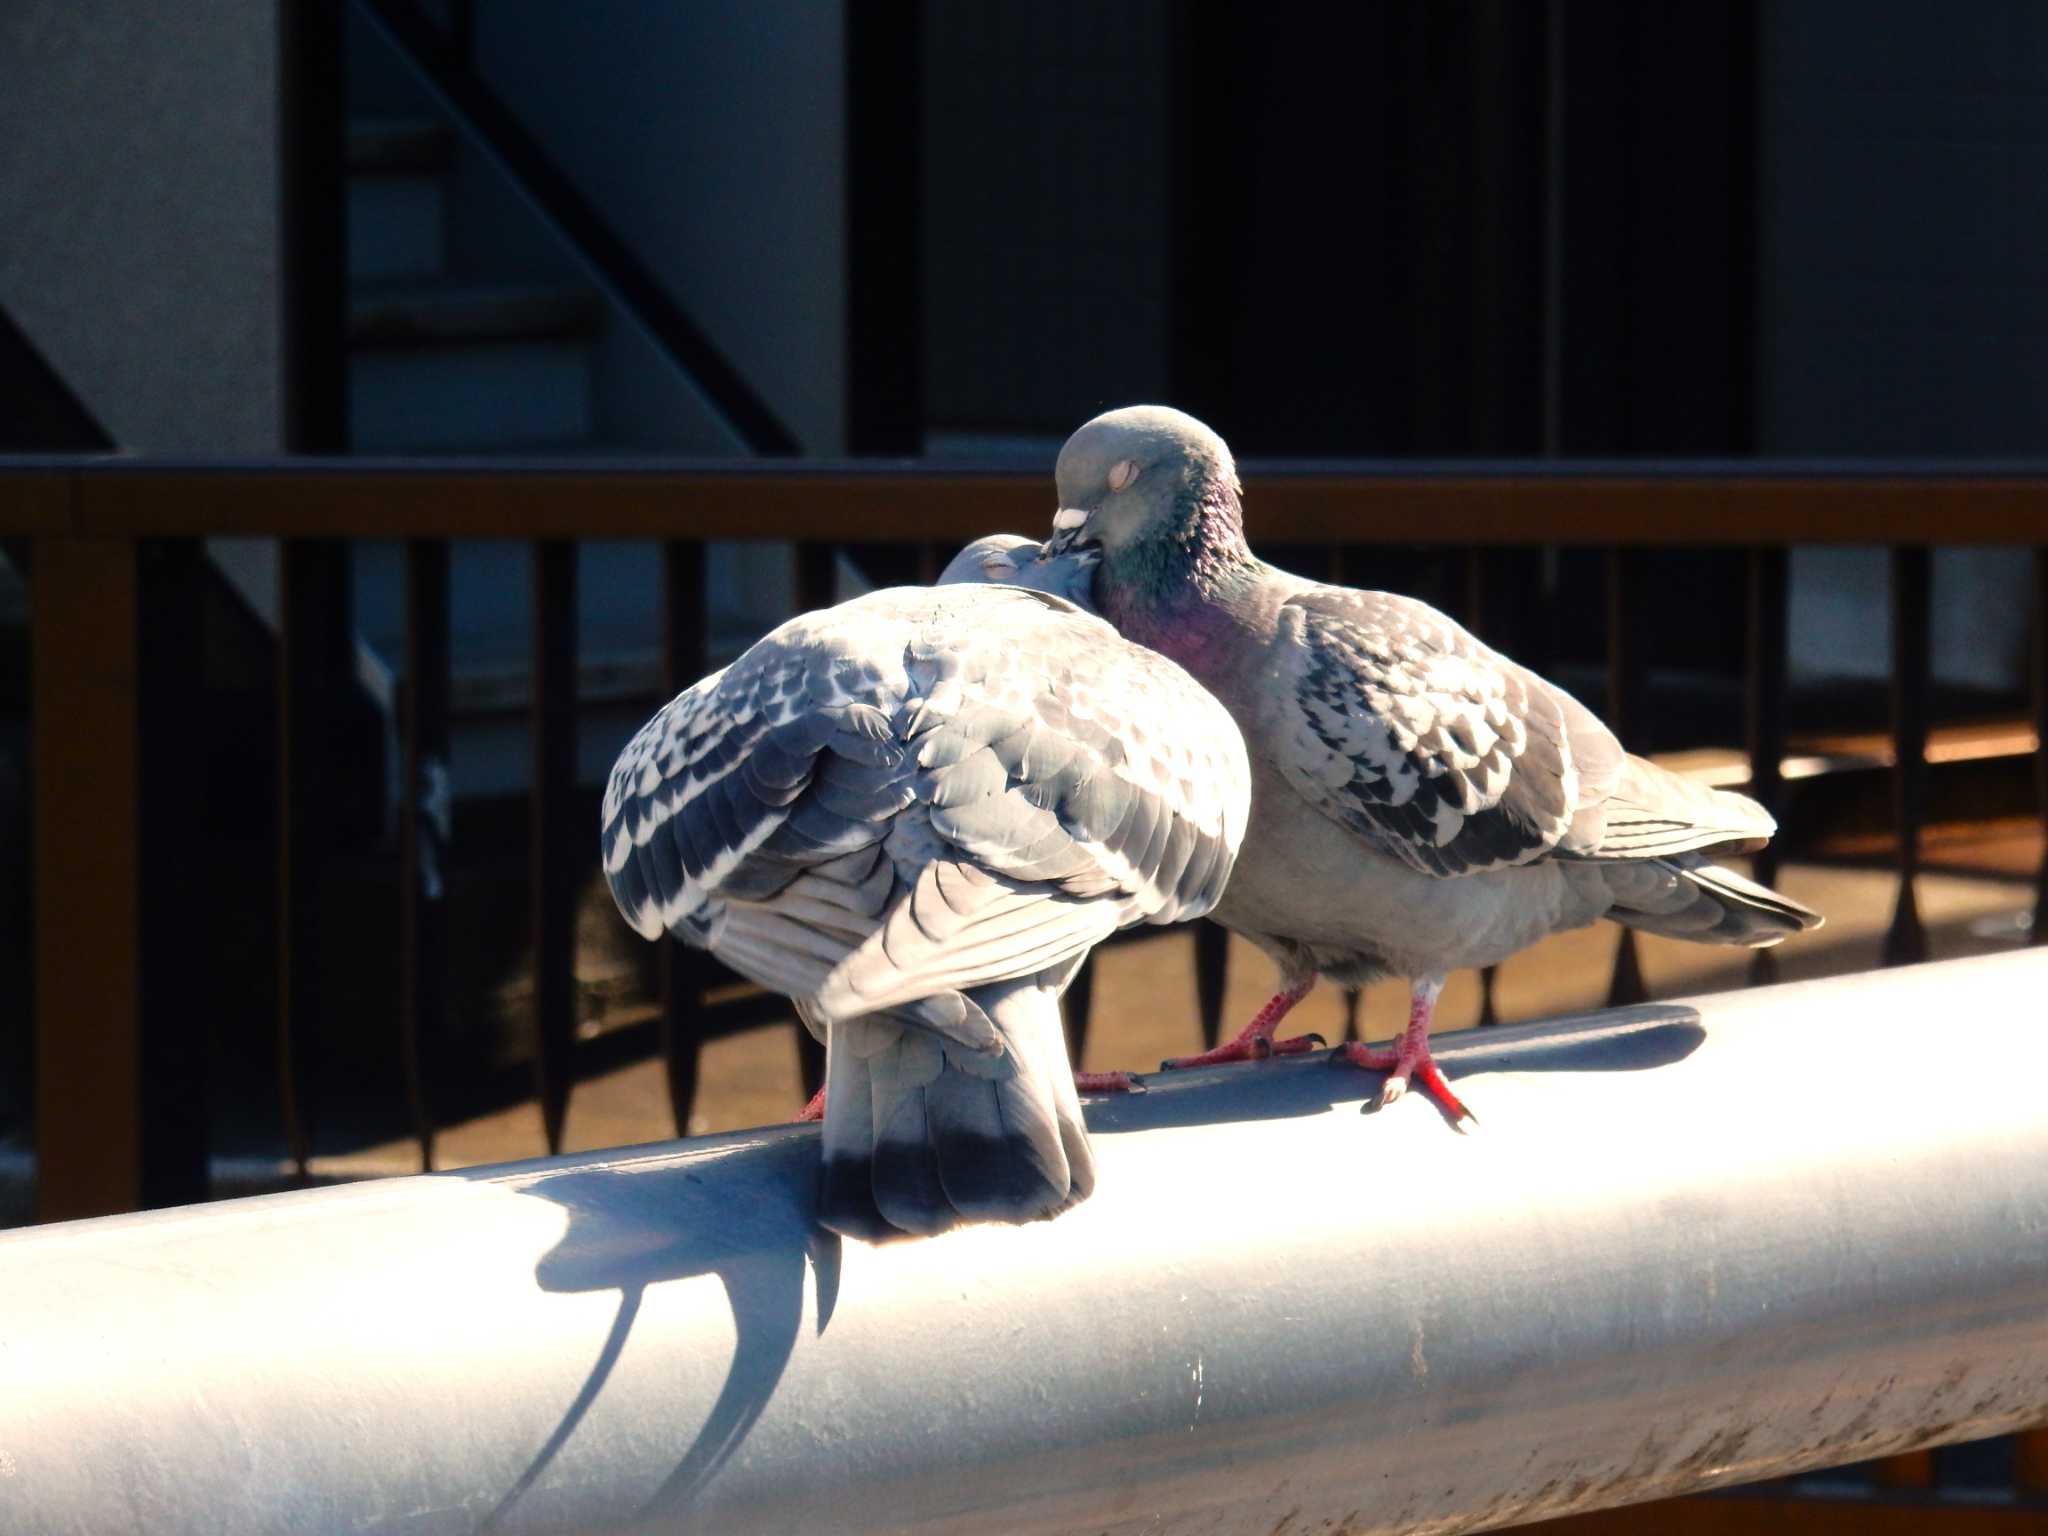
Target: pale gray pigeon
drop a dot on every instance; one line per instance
(914, 814)
(1013, 560)
(1420, 803)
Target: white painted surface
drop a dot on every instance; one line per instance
(1693, 1245)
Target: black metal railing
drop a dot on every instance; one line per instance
(116, 542)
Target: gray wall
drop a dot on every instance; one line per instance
(1046, 231)
(1904, 262)
(138, 213)
(1903, 287)
(671, 117)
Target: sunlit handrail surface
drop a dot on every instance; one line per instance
(1697, 1243)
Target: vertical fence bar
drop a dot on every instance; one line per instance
(551, 847)
(1212, 975)
(1764, 712)
(86, 766)
(685, 972)
(1628, 672)
(425, 831)
(1912, 607)
(178, 991)
(2040, 682)
(315, 679)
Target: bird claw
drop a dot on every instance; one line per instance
(1404, 1071)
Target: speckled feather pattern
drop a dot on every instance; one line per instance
(1012, 729)
(1421, 740)
(914, 814)
(1421, 803)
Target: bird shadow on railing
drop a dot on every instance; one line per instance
(652, 1218)
(1638, 1038)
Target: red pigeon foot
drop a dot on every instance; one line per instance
(1256, 1042)
(1409, 1059)
(1107, 1082)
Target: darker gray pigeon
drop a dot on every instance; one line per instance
(1420, 802)
(914, 814)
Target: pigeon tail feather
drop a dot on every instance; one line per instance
(921, 1137)
(1709, 904)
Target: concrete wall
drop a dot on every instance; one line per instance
(1046, 232)
(1904, 261)
(138, 213)
(712, 135)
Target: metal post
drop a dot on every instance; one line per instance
(179, 1000)
(1628, 687)
(315, 679)
(88, 871)
(1769, 609)
(1912, 583)
(2039, 682)
(553, 857)
(1653, 1273)
(424, 832)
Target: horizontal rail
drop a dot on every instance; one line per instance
(1636, 503)
(1695, 1244)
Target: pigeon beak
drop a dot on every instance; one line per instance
(1067, 526)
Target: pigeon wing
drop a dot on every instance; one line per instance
(1435, 749)
(781, 765)
(924, 790)
(1068, 783)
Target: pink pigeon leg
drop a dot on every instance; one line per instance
(1410, 1058)
(1256, 1042)
(1106, 1082)
(815, 1110)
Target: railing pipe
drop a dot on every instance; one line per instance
(1696, 1244)
(425, 831)
(554, 846)
(1769, 647)
(1495, 502)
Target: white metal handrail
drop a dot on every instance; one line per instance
(1694, 1244)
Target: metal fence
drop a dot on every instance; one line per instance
(111, 545)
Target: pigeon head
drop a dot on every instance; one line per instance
(1139, 474)
(1013, 560)
(994, 558)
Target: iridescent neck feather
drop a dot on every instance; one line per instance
(1157, 589)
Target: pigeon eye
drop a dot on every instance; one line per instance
(1122, 473)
